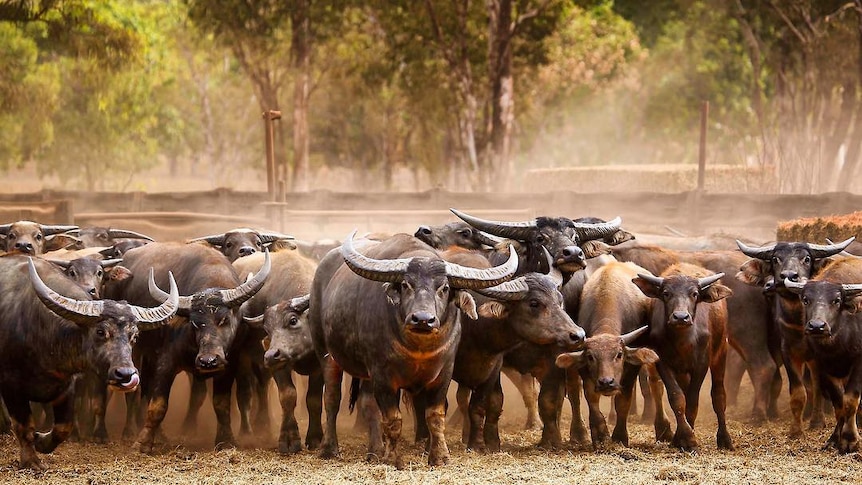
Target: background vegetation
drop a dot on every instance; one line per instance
(466, 93)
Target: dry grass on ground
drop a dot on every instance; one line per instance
(763, 455)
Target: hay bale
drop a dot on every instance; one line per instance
(818, 229)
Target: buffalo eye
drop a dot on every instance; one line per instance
(776, 259)
(464, 233)
(257, 243)
(806, 260)
(293, 321)
(38, 237)
(405, 285)
(99, 273)
(534, 303)
(590, 357)
(694, 294)
(100, 332)
(228, 245)
(665, 294)
(805, 301)
(12, 236)
(836, 301)
(443, 289)
(619, 355)
(72, 273)
(540, 239)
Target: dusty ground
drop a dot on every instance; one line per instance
(763, 455)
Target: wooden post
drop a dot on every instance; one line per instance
(701, 158)
(268, 118)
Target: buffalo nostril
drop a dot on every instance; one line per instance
(273, 354)
(246, 251)
(423, 318)
(606, 381)
(681, 316)
(123, 374)
(92, 292)
(792, 276)
(576, 337)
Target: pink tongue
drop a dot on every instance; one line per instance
(133, 382)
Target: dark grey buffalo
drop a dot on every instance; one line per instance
(27, 237)
(796, 262)
(402, 334)
(42, 346)
(237, 243)
(101, 237)
(203, 341)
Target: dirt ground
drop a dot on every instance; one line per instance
(763, 455)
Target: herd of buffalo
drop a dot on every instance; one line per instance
(578, 305)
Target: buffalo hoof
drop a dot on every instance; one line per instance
(436, 459)
(328, 451)
(551, 445)
(848, 444)
(226, 444)
(44, 442)
(795, 433)
(648, 416)
(129, 433)
(621, 438)
(579, 437)
(534, 422)
(100, 436)
(492, 444)
(289, 448)
(663, 433)
(33, 463)
(724, 441)
(144, 447)
(817, 424)
(313, 442)
(685, 442)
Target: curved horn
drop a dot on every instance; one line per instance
(4, 229)
(59, 262)
(487, 239)
(82, 312)
(256, 321)
(109, 263)
(122, 233)
(763, 252)
(844, 253)
(185, 302)
(554, 272)
(384, 270)
(268, 237)
(847, 288)
(633, 335)
(151, 318)
(239, 295)
(703, 283)
(215, 240)
(300, 303)
(819, 251)
(600, 230)
(794, 286)
(511, 230)
(653, 280)
(474, 279)
(514, 290)
(51, 230)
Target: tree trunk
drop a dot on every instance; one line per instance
(301, 57)
(502, 93)
(854, 140)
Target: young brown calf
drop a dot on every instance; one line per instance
(689, 343)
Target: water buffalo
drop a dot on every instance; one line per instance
(66, 334)
(95, 236)
(457, 233)
(612, 313)
(689, 343)
(833, 333)
(285, 314)
(797, 262)
(237, 243)
(202, 342)
(29, 237)
(402, 334)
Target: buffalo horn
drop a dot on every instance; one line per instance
(513, 290)
(258, 320)
(475, 279)
(185, 302)
(215, 239)
(512, 230)
(633, 335)
(820, 251)
(763, 253)
(109, 263)
(82, 312)
(487, 239)
(124, 234)
(703, 283)
(239, 295)
(268, 237)
(844, 253)
(599, 230)
(51, 230)
(852, 289)
(152, 318)
(794, 286)
(384, 270)
(60, 262)
(653, 280)
(300, 303)
(554, 272)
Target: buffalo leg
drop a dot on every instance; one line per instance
(660, 422)
(156, 408)
(387, 401)
(719, 396)
(598, 426)
(622, 403)
(477, 411)
(289, 441)
(493, 411)
(197, 394)
(577, 431)
(815, 399)
(423, 434)
(526, 385)
(261, 424)
(550, 401)
(797, 393)
(5, 420)
(462, 396)
(648, 413)
(849, 440)
(222, 386)
(25, 431)
(435, 417)
(332, 375)
(734, 373)
(245, 384)
(369, 414)
(833, 389)
(64, 410)
(98, 394)
(684, 437)
(314, 405)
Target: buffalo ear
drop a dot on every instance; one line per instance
(754, 272)
(493, 310)
(467, 304)
(648, 288)
(819, 264)
(118, 273)
(392, 294)
(641, 356)
(570, 359)
(853, 302)
(593, 249)
(62, 241)
(714, 293)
